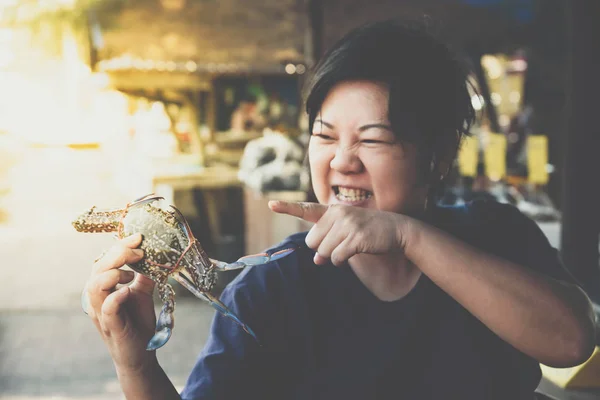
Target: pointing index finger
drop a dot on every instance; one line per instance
(310, 212)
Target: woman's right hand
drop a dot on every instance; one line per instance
(125, 318)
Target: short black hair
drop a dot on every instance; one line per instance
(427, 82)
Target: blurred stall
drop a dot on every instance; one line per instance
(506, 158)
(202, 80)
(171, 91)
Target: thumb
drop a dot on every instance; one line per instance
(113, 319)
(143, 284)
(310, 212)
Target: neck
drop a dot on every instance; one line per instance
(389, 277)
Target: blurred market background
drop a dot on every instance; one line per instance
(104, 101)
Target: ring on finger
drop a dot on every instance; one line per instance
(85, 301)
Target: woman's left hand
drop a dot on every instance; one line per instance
(341, 231)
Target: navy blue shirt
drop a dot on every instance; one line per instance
(324, 335)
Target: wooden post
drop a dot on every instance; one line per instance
(192, 104)
(211, 110)
(581, 199)
(315, 27)
(490, 109)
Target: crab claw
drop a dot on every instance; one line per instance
(149, 198)
(164, 323)
(159, 339)
(183, 223)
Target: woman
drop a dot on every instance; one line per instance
(387, 296)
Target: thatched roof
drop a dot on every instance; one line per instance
(196, 35)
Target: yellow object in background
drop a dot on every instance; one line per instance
(495, 156)
(537, 159)
(586, 375)
(468, 155)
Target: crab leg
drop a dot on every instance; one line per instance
(214, 302)
(96, 221)
(165, 321)
(223, 266)
(252, 260)
(203, 260)
(202, 266)
(222, 308)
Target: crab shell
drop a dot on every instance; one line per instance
(168, 248)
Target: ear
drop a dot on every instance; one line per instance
(443, 168)
(438, 170)
(442, 163)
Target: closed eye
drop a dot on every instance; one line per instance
(372, 141)
(375, 141)
(322, 136)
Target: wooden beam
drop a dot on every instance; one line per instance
(156, 80)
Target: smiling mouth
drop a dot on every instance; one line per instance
(351, 194)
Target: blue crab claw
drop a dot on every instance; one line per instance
(159, 339)
(165, 321)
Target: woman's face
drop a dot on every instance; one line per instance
(355, 158)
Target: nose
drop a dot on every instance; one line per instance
(346, 161)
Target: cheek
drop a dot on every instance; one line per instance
(394, 180)
(319, 171)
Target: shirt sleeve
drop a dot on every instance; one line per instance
(232, 365)
(512, 235)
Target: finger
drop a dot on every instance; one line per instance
(320, 260)
(318, 231)
(310, 212)
(330, 241)
(342, 253)
(100, 286)
(120, 254)
(132, 241)
(107, 280)
(112, 321)
(143, 284)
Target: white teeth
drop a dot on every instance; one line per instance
(348, 194)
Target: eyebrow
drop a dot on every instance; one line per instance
(361, 129)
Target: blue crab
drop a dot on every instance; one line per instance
(170, 250)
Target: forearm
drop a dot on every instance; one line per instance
(549, 320)
(150, 383)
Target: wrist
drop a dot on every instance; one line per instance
(409, 231)
(149, 381)
(147, 368)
